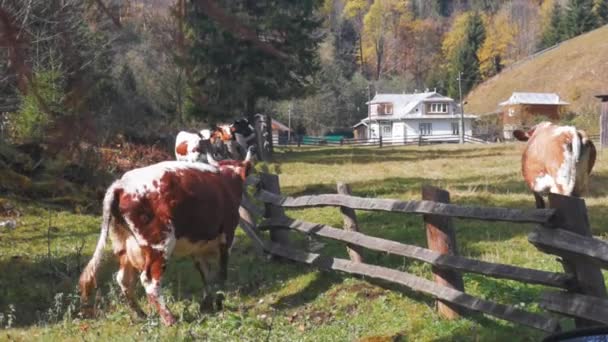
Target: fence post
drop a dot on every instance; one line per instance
(441, 238)
(270, 183)
(380, 142)
(572, 216)
(350, 223)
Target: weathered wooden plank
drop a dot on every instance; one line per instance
(572, 216)
(247, 223)
(506, 312)
(561, 242)
(576, 305)
(350, 223)
(270, 184)
(252, 208)
(414, 207)
(252, 180)
(441, 238)
(454, 262)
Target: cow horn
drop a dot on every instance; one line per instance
(250, 153)
(211, 161)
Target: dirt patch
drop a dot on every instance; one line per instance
(363, 290)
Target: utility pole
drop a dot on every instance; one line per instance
(461, 107)
(369, 112)
(289, 122)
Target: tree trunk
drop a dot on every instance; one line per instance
(250, 109)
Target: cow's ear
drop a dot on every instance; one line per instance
(521, 135)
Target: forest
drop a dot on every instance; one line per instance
(93, 70)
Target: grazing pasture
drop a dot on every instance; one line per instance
(41, 259)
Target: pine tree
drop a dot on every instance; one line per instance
(554, 32)
(465, 59)
(579, 18)
(232, 73)
(600, 9)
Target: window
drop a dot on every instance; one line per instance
(387, 131)
(425, 128)
(388, 108)
(385, 109)
(456, 128)
(438, 108)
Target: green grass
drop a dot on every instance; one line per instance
(575, 70)
(282, 301)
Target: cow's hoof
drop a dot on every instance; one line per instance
(219, 300)
(168, 319)
(207, 303)
(138, 315)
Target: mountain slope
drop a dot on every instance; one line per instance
(576, 69)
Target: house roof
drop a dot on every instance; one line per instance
(534, 98)
(408, 101)
(360, 123)
(279, 126)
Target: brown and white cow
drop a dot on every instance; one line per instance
(557, 159)
(188, 145)
(170, 208)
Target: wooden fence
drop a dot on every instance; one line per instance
(379, 142)
(383, 141)
(562, 230)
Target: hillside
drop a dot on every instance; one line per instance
(576, 69)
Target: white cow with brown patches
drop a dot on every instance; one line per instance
(557, 159)
(171, 208)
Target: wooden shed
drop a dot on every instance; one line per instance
(527, 109)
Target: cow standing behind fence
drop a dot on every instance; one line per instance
(557, 159)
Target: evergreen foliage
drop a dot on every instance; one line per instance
(465, 59)
(579, 18)
(232, 74)
(554, 32)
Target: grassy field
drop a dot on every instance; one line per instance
(267, 300)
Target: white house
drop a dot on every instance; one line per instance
(409, 116)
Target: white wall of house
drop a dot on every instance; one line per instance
(411, 127)
(438, 126)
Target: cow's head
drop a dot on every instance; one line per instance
(241, 168)
(522, 135)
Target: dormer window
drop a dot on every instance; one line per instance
(388, 108)
(438, 108)
(385, 109)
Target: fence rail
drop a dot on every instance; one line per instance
(561, 230)
(454, 262)
(379, 142)
(413, 207)
(384, 141)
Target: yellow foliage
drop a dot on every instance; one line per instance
(500, 36)
(546, 9)
(355, 8)
(381, 23)
(455, 35)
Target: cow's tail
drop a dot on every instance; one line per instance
(574, 158)
(88, 277)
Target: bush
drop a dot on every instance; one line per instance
(32, 119)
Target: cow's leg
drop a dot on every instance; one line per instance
(126, 280)
(203, 268)
(223, 273)
(151, 280)
(540, 202)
